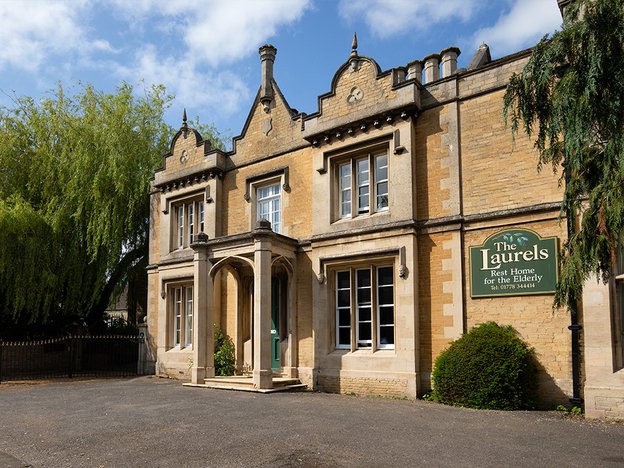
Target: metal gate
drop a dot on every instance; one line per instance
(107, 355)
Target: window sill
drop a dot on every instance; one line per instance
(361, 217)
(363, 352)
(177, 349)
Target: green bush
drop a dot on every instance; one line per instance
(489, 367)
(224, 356)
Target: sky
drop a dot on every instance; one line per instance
(206, 51)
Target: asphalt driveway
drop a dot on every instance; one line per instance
(154, 422)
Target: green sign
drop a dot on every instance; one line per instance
(514, 262)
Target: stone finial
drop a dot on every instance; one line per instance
(263, 224)
(267, 58)
(354, 45)
(201, 238)
(184, 126)
(449, 61)
(432, 68)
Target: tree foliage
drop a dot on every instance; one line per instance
(74, 202)
(570, 99)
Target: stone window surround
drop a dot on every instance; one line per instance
(185, 286)
(327, 267)
(277, 176)
(372, 265)
(173, 204)
(337, 161)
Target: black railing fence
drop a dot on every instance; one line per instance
(108, 355)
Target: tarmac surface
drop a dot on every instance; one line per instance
(155, 422)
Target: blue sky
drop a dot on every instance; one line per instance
(206, 51)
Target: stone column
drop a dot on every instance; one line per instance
(262, 373)
(291, 370)
(203, 315)
(240, 311)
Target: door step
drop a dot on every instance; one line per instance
(244, 383)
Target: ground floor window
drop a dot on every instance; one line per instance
(182, 316)
(365, 307)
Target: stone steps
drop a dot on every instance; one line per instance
(244, 383)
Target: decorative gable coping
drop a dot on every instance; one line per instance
(405, 106)
(213, 165)
(355, 127)
(181, 182)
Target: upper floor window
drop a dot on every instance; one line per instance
(268, 205)
(362, 185)
(188, 222)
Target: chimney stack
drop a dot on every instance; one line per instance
(414, 70)
(432, 68)
(449, 61)
(267, 57)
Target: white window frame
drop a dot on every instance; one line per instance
(357, 306)
(202, 216)
(350, 183)
(180, 226)
(188, 316)
(177, 316)
(362, 183)
(188, 220)
(380, 181)
(182, 310)
(341, 308)
(190, 217)
(344, 189)
(273, 214)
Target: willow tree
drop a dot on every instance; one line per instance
(74, 202)
(570, 99)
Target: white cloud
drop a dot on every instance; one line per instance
(29, 34)
(215, 31)
(228, 30)
(223, 92)
(391, 17)
(525, 23)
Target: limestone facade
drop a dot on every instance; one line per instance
(363, 276)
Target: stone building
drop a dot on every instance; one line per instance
(339, 249)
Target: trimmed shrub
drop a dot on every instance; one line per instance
(224, 356)
(489, 367)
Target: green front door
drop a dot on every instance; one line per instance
(275, 321)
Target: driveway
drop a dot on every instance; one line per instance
(154, 422)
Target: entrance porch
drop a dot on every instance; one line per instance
(247, 282)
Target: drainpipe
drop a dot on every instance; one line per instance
(574, 327)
